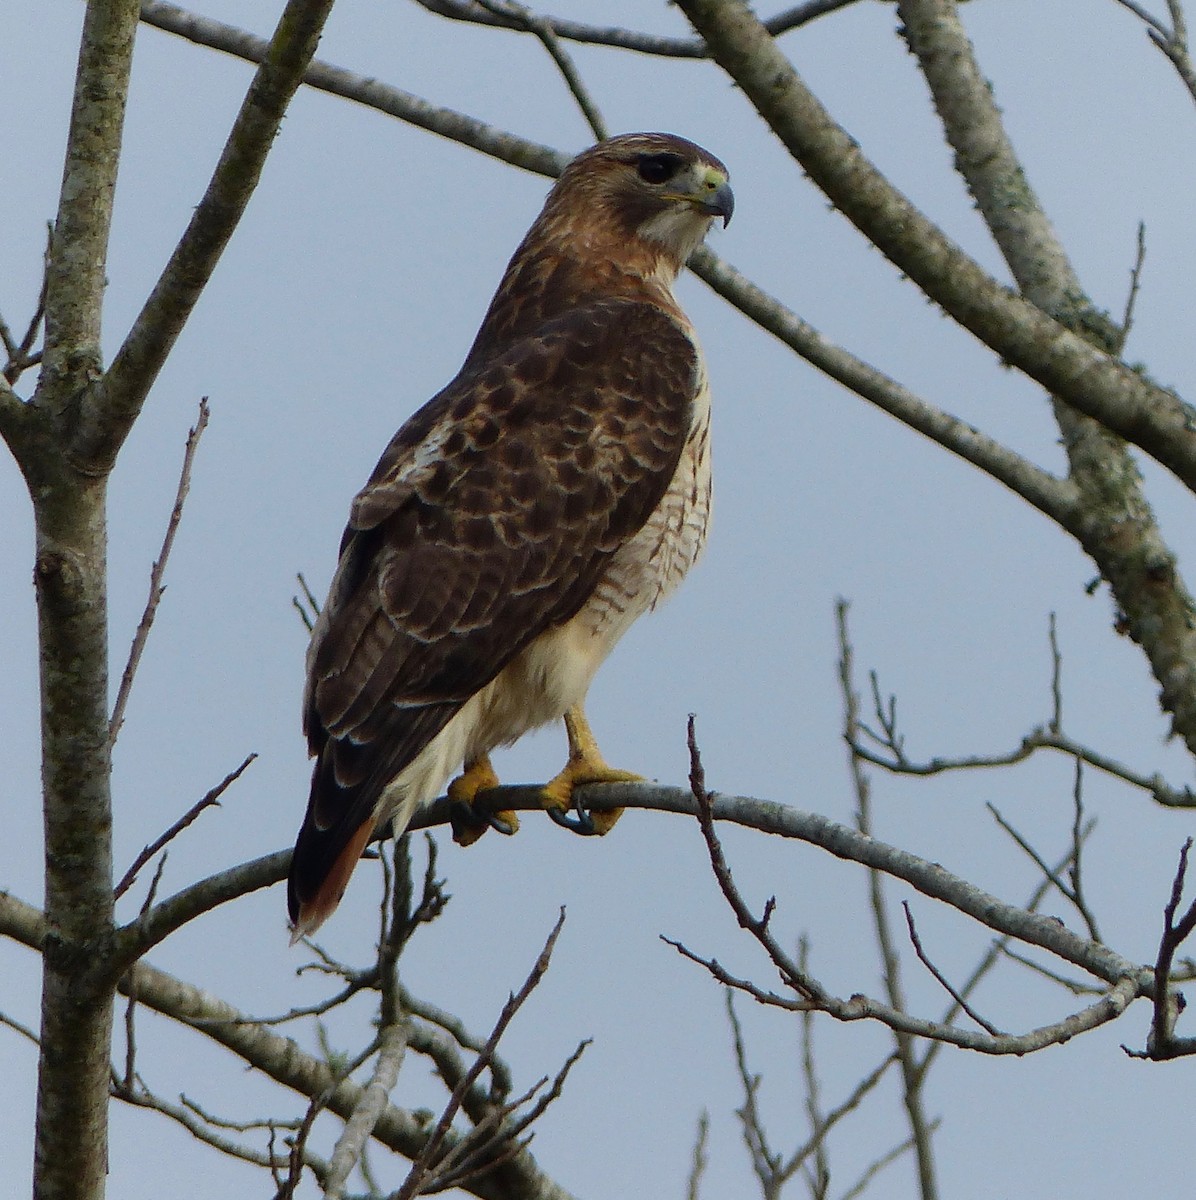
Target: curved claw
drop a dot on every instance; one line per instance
(582, 824)
(468, 824)
(506, 823)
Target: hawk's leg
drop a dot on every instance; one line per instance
(468, 824)
(585, 765)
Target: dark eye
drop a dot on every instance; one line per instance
(657, 168)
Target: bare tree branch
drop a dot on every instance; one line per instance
(626, 39)
(1162, 1042)
(76, 271)
(766, 816)
(912, 1074)
(448, 123)
(924, 958)
(374, 1099)
(1125, 986)
(699, 1159)
(1131, 299)
(1055, 497)
(1050, 736)
(212, 797)
(1151, 417)
(108, 417)
(1119, 530)
(1172, 42)
(71, 1137)
(21, 355)
(205, 1128)
(432, 1148)
(542, 28)
(156, 573)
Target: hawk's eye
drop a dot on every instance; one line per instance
(657, 168)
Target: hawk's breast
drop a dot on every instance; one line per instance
(655, 560)
(554, 672)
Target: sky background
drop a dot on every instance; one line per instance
(348, 296)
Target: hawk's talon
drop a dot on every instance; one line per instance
(505, 822)
(585, 765)
(468, 823)
(582, 824)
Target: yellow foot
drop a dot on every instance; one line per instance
(469, 825)
(585, 765)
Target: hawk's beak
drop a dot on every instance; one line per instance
(720, 202)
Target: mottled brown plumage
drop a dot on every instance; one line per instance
(518, 523)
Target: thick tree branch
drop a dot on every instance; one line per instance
(70, 573)
(110, 412)
(77, 265)
(1056, 498)
(1119, 529)
(1063, 362)
(374, 1100)
(765, 816)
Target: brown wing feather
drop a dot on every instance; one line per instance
(489, 518)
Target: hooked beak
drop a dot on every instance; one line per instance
(720, 203)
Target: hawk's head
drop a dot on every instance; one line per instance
(651, 187)
(620, 222)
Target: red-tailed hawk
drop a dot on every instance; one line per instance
(518, 523)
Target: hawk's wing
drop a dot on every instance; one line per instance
(489, 518)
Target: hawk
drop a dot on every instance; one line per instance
(519, 522)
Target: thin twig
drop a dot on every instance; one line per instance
(130, 1076)
(813, 1159)
(912, 1074)
(1076, 987)
(17, 1027)
(203, 1128)
(802, 982)
(309, 614)
(1142, 14)
(1075, 871)
(1162, 1042)
(1160, 791)
(1172, 42)
(427, 1157)
(1131, 300)
(481, 1150)
(541, 26)
(211, 798)
(1056, 722)
(993, 955)
(944, 982)
(628, 39)
(21, 355)
(156, 587)
(699, 1159)
(765, 1162)
(874, 1169)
